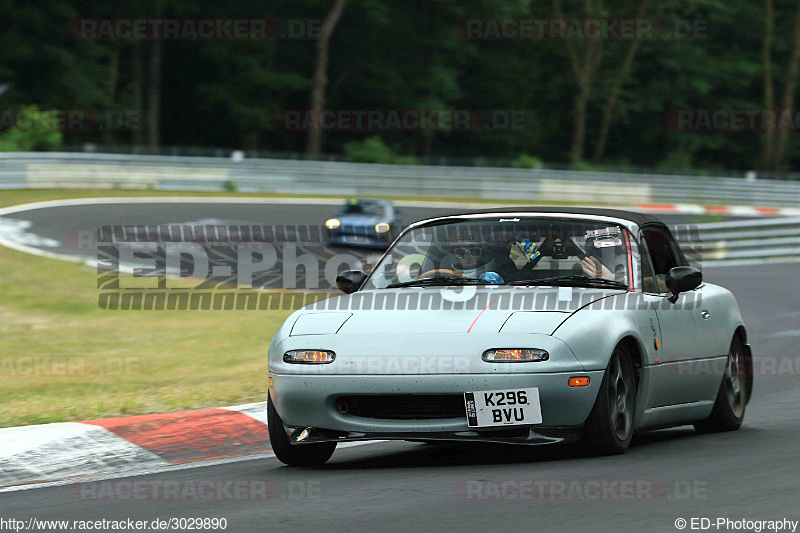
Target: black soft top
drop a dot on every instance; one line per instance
(639, 219)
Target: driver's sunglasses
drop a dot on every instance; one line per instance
(474, 252)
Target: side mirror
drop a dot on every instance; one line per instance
(681, 279)
(350, 280)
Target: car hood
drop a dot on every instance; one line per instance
(446, 310)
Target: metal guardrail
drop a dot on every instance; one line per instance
(431, 160)
(50, 169)
(774, 239)
(763, 240)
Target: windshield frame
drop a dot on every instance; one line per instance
(629, 231)
(380, 209)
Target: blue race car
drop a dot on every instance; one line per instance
(364, 222)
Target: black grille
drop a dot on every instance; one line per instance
(403, 407)
(357, 230)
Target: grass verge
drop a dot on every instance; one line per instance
(116, 363)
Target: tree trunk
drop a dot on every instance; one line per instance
(584, 69)
(154, 95)
(320, 76)
(579, 123)
(789, 87)
(250, 141)
(111, 95)
(138, 107)
(612, 98)
(154, 90)
(765, 158)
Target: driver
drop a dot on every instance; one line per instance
(469, 257)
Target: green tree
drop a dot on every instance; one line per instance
(39, 132)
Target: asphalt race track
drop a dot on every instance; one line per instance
(752, 474)
(55, 229)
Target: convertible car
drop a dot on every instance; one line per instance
(526, 325)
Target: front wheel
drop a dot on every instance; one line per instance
(294, 454)
(732, 397)
(609, 428)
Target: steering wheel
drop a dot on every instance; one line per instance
(441, 272)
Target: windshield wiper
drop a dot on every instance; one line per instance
(440, 280)
(573, 279)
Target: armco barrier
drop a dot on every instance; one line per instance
(773, 239)
(764, 240)
(50, 169)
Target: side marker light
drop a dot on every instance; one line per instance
(578, 381)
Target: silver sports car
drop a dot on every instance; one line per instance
(525, 325)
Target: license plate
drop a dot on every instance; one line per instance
(511, 407)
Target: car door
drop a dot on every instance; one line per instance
(684, 368)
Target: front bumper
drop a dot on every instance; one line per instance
(361, 242)
(359, 236)
(530, 435)
(308, 401)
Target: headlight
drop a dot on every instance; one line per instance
(309, 357)
(382, 227)
(332, 223)
(515, 355)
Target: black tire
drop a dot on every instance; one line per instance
(294, 454)
(609, 428)
(733, 395)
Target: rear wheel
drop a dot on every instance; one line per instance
(609, 428)
(729, 408)
(294, 454)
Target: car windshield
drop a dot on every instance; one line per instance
(355, 207)
(507, 250)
